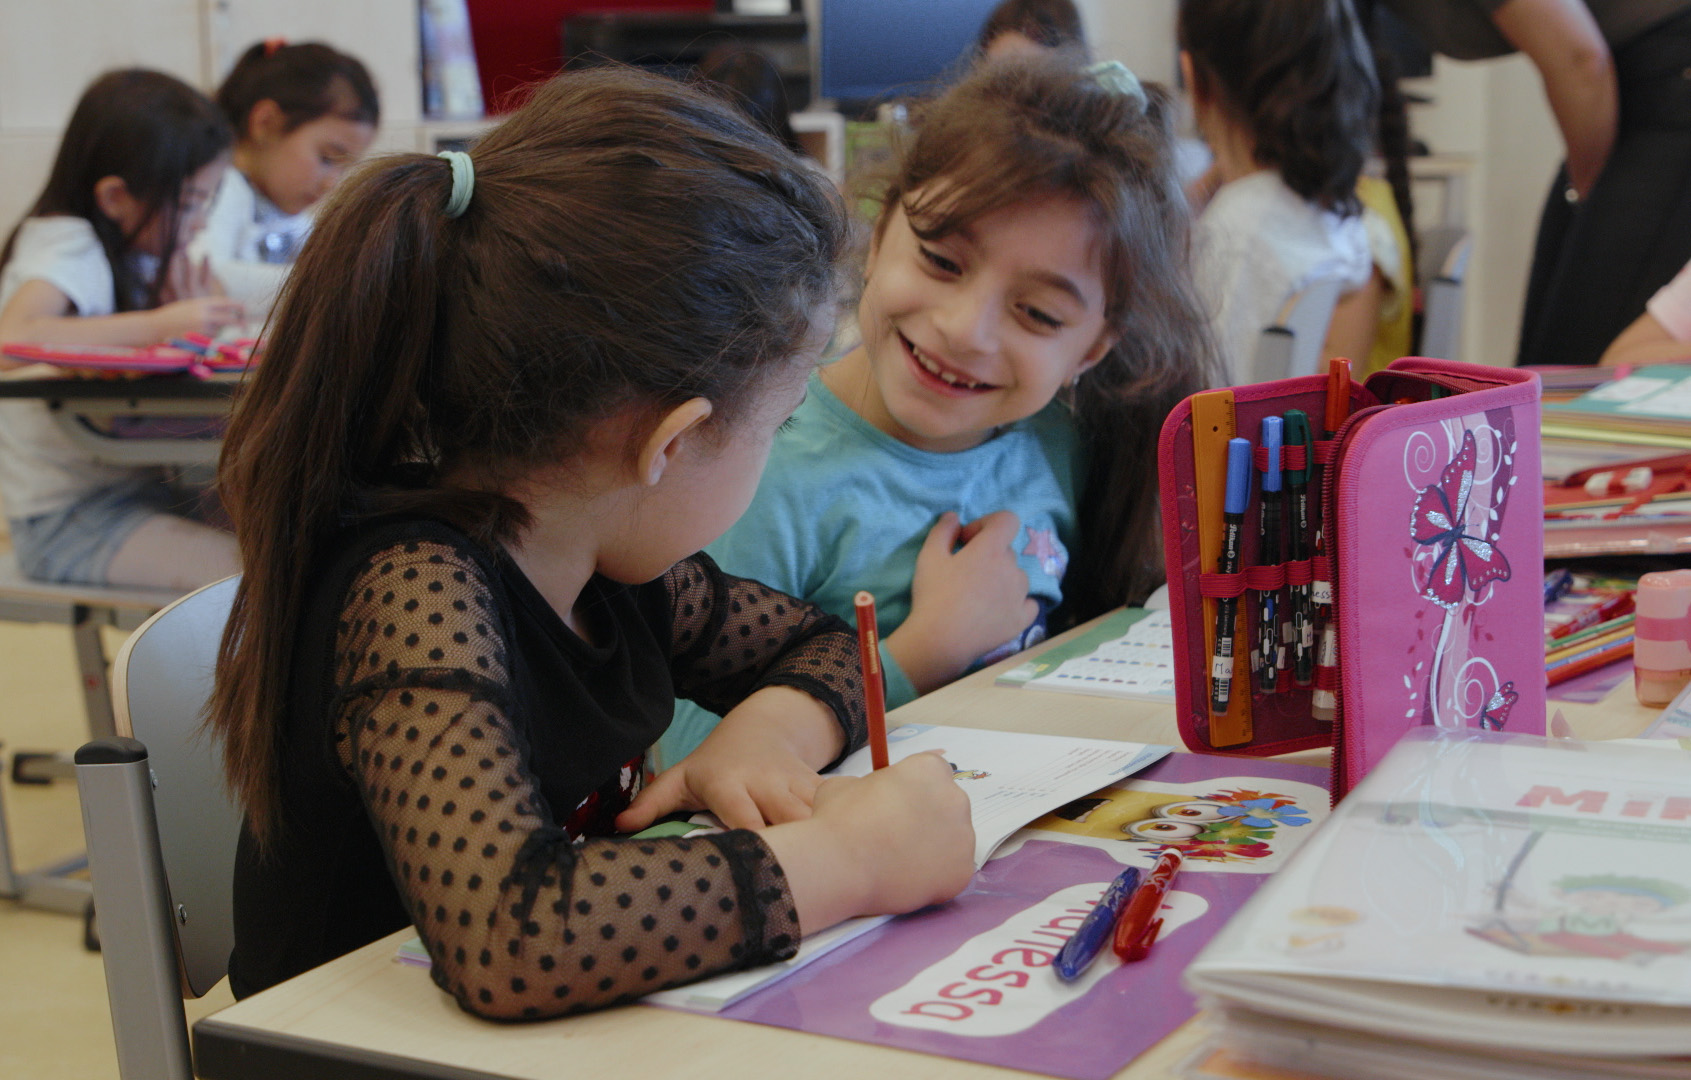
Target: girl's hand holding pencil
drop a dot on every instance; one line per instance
(898, 839)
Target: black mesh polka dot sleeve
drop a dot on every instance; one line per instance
(733, 635)
(522, 917)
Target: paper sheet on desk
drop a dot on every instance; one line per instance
(1139, 664)
(1011, 778)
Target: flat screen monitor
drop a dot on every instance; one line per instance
(872, 50)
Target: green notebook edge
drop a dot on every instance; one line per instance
(1111, 627)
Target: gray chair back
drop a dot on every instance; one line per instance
(161, 834)
(1445, 251)
(1292, 346)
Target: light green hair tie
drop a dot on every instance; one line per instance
(1113, 75)
(463, 182)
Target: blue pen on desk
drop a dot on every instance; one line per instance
(1557, 583)
(1227, 607)
(1079, 951)
(1268, 554)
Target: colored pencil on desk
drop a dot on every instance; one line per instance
(1600, 641)
(874, 689)
(1602, 629)
(1590, 660)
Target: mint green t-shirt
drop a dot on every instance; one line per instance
(844, 506)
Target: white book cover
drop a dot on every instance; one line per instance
(1487, 890)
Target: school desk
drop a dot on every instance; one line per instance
(76, 403)
(364, 1015)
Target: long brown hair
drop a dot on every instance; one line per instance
(631, 243)
(153, 131)
(1299, 74)
(1026, 127)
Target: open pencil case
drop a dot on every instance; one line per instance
(1430, 510)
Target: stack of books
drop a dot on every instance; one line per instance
(1614, 461)
(1481, 905)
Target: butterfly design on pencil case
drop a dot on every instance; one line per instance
(1496, 711)
(1463, 561)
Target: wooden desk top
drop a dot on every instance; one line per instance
(365, 1011)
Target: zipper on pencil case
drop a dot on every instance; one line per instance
(1337, 471)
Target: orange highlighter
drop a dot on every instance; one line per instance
(1140, 924)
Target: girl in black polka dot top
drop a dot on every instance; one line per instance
(506, 397)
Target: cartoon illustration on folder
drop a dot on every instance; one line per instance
(1221, 824)
(1586, 915)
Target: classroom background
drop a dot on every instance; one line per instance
(1493, 141)
(1493, 145)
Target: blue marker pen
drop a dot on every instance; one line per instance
(1227, 607)
(1079, 951)
(1268, 554)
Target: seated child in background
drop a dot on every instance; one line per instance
(1027, 322)
(302, 114)
(1662, 335)
(100, 260)
(751, 81)
(1285, 95)
(505, 400)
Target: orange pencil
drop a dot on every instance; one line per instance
(874, 691)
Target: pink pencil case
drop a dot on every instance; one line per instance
(1432, 512)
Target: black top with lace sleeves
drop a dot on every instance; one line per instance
(454, 756)
(733, 636)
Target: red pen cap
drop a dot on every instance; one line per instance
(1338, 393)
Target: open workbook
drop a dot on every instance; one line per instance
(1512, 906)
(1011, 778)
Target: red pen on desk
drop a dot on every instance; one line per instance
(1140, 922)
(1616, 605)
(874, 690)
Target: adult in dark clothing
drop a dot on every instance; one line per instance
(1617, 223)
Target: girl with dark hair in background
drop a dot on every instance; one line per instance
(507, 396)
(1285, 96)
(1023, 25)
(751, 81)
(301, 114)
(99, 259)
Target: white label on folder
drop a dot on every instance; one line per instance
(1321, 592)
(1221, 669)
(1000, 982)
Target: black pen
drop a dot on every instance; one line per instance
(1268, 554)
(1227, 607)
(1298, 433)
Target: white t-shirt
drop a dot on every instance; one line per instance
(1672, 305)
(41, 469)
(1257, 244)
(250, 242)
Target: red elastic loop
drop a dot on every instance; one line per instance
(1264, 578)
(1299, 572)
(1324, 449)
(1221, 586)
(1322, 566)
(1291, 457)
(1326, 678)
